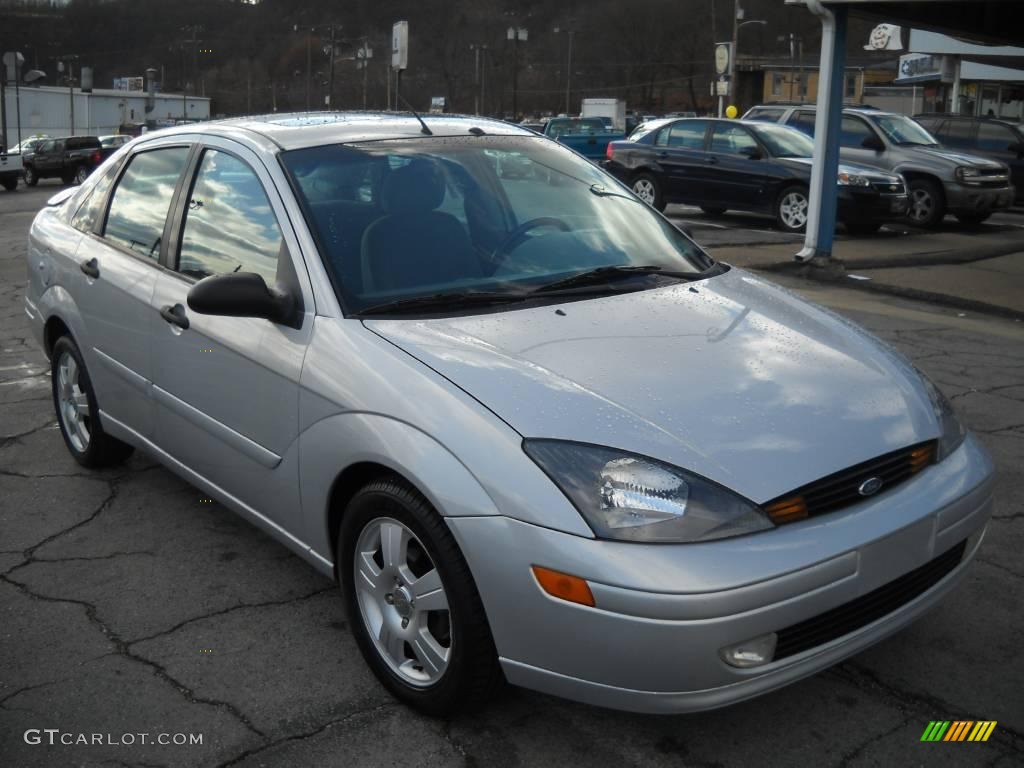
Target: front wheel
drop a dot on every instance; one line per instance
(791, 209)
(927, 205)
(647, 188)
(412, 603)
(31, 177)
(77, 411)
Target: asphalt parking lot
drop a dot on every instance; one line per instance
(130, 605)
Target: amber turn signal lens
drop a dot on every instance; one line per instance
(787, 510)
(921, 457)
(563, 586)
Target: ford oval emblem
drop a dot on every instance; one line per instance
(870, 486)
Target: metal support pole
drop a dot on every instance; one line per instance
(515, 73)
(821, 219)
(71, 96)
(732, 58)
(309, 64)
(476, 79)
(483, 82)
(568, 75)
(330, 77)
(954, 104)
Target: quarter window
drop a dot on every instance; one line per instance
(229, 224)
(85, 216)
(138, 210)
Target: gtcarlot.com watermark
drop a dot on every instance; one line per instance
(55, 737)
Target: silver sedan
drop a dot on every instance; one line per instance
(535, 432)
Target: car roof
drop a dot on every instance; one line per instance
(298, 130)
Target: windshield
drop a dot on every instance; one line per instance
(401, 219)
(784, 142)
(903, 130)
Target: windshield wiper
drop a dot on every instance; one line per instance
(602, 275)
(602, 191)
(453, 300)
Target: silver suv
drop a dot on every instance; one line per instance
(939, 181)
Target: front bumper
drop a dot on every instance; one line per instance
(965, 198)
(867, 204)
(663, 612)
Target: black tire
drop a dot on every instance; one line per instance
(31, 177)
(973, 219)
(927, 203)
(862, 226)
(10, 184)
(647, 187)
(100, 450)
(712, 210)
(790, 214)
(81, 174)
(473, 675)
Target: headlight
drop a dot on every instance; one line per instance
(953, 431)
(633, 498)
(965, 172)
(853, 180)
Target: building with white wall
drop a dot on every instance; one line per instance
(65, 112)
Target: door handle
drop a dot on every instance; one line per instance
(663, 154)
(175, 315)
(712, 161)
(91, 268)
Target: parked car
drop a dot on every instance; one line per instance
(587, 135)
(725, 165)
(114, 141)
(1001, 140)
(71, 159)
(940, 181)
(534, 430)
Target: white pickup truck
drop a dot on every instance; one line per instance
(10, 171)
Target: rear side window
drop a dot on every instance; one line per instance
(85, 216)
(686, 134)
(958, 134)
(229, 224)
(83, 142)
(993, 137)
(764, 114)
(142, 198)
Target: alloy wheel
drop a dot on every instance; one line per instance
(793, 209)
(72, 403)
(922, 205)
(402, 602)
(81, 176)
(644, 189)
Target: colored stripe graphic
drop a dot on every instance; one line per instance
(958, 730)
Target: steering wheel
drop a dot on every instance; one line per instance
(517, 236)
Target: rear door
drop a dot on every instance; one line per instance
(679, 149)
(48, 156)
(227, 387)
(958, 134)
(994, 140)
(734, 180)
(119, 260)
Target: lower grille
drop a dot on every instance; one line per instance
(865, 609)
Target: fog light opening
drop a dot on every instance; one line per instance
(750, 653)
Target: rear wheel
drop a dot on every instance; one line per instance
(31, 177)
(412, 603)
(973, 219)
(81, 175)
(927, 205)
(791, 209)
(77, 411)
(647, 188)
(712, 210)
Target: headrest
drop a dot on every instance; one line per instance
(415, 188)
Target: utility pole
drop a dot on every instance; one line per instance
(732, 64)
(330, 77)
(483, 80)
(248, 86)
(568, 73)
(309, 63)
(476, 78)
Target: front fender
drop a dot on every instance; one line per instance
(335, 443)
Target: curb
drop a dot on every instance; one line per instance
(923, 259)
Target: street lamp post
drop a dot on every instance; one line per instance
(568, 68)
(737, 24)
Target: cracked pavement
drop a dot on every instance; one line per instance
(127, 605)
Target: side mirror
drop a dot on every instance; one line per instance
(873, 142)
(243, 294)
(751, 153)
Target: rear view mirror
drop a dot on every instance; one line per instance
(243, 294)
(873, 142)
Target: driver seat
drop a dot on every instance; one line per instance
(414, 244)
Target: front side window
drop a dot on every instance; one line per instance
(138, 209)
(853, 131)
(732, 139)
(783, 141)
(476, 214)
(229, 224)
(903, 130)
(993, 137)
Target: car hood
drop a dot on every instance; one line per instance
(731, 377)
(957, 158)
(871, 172)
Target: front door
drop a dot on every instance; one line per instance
(118, 266)
(735, 180)
(226, 388)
